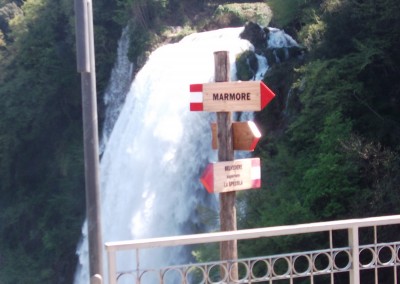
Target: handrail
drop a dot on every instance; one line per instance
(351, 225)
(252, 233)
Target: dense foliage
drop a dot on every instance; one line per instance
(332, 153)
(41, 156)
(331, 145)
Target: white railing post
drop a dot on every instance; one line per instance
(354, 246)
(96, 279)
(112, 271)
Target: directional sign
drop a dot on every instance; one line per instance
(230, 96)
(232, 175)
(245, 136)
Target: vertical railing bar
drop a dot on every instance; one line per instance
(183, 273)
(207, 274)
(354, 246)
(271, 273)
(249, 270)
(112, 267)
(312, 270)
(376, 251)
(291, 264)
(137, 267)
(331, 253)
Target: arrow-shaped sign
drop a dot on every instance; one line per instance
(232, 175)
(230, 96)
(245, 136)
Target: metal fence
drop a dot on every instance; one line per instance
(367, 257)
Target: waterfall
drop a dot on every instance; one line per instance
(157, 150)
(117, 88)
(279, 39)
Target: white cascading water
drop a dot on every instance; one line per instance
(118, 87)
(157, 150)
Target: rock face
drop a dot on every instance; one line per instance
(255, 34)
(272, 43)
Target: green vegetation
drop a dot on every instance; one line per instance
(330, 148)
(41, 156)
(235, 14)
(246, 65)
(332, 153)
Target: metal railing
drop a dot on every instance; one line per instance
(354, 263)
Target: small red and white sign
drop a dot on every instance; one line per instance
(234, 175)
(245, 136)
(230, 96)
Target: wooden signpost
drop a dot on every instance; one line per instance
(245, 136)
(229, 175)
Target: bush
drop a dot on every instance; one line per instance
(246, 65)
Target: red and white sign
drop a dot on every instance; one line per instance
(232, 175)
(230, 96)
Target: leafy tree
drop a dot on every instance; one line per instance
(335, 155)
(41, 157)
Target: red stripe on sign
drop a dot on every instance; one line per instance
(255, 162)
(253, 146)
(196, 106)
(256, 183)
(196, 88)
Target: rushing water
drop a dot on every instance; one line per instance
(118, 87)
(157, 150)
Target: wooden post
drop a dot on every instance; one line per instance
(228, 249)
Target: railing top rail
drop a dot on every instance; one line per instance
(252, 233)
